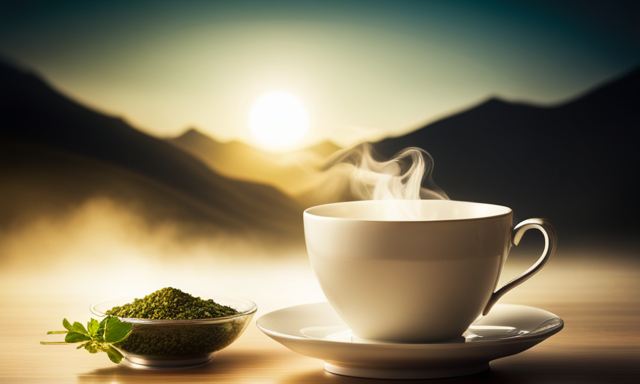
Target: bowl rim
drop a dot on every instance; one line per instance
(253, 308)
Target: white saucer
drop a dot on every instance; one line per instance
(315, 330)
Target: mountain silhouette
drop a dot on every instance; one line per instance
(324, 148)
(233, 159)
(295, 173)
(50, 135)
(574, 163)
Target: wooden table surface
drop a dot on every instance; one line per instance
(594, 289)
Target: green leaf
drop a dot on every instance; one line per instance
(116, 330)
(78, 328)
(100, 333)
(75, 337)
(99, 337)
(114, 354)
(92, 327)
(91, 347)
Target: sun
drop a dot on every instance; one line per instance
(279, 120)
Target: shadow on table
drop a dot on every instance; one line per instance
(224, 368)
(598, 367)
(588, 365)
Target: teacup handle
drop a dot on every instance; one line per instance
(550, 242)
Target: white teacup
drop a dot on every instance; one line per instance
(414, 271)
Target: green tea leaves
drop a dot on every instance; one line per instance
(78, 328)
(114, 354)
(93, 326)
(74, 337)
(91, 347)
(115, 330)
(66, 324)
(171, 304)
(98, 336)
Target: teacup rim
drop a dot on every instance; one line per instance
(309, 212)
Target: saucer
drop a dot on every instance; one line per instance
(315, 330)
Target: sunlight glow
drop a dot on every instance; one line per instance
(279, 120)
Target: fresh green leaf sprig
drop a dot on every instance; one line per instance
(98, 336)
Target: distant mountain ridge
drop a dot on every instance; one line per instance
(294, 173)
(575, 163)
(32, 114)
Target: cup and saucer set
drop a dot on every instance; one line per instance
(412, 296)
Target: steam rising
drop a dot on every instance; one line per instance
(406, 176)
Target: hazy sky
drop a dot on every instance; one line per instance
(363, 69)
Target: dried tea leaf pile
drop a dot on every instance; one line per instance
(175, 340)
(171, 304)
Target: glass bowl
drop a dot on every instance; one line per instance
(174, 344)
